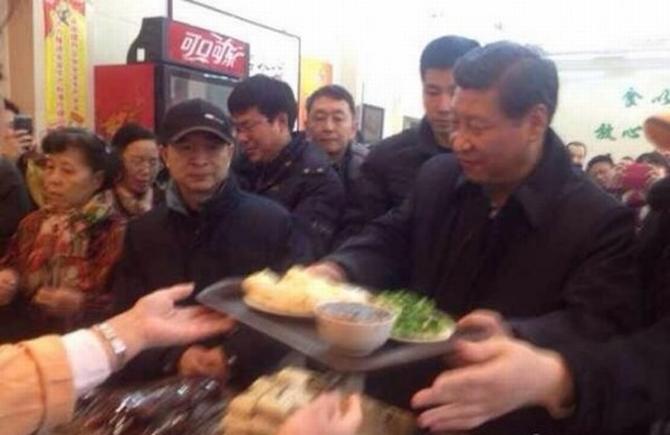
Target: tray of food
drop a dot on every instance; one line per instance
(270, 400)
(344, 328)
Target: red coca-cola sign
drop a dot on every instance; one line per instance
(204, 49)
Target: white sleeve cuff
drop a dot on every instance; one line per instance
(88, 360)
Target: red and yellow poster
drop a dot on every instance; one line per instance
(314, 73)
(65, 62)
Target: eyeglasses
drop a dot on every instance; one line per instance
(140, 162)
(247, 126)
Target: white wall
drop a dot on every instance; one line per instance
(115, 24)
(374, 45)
(592, 93)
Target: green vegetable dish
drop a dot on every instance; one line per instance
(418, 317)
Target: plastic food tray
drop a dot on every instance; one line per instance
(225, 296)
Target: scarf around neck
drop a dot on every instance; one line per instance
(130, 203)
(62, 240)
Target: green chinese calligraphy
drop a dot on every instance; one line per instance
(632, 133)
(630, 97)
(604, 131)
(663, 98)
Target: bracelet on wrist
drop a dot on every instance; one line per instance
(116, 346)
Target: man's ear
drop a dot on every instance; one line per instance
(98, 180)
(354, 128)
(537, 122)
(163, 150)
(282, 120)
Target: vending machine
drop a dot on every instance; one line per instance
(168, 62)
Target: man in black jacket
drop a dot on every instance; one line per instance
(331, 125)
(618, 387)
(495, 225)
(14, 201)
(282, 167)
(207, 230)
(389, 171)
(14, 198)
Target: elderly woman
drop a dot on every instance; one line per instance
(57, 263)
(135, 191)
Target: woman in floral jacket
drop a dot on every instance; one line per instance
(57, 264)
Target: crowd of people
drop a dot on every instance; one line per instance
(482, 207)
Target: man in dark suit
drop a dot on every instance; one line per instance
(504, 223)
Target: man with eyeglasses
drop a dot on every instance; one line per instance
(282, 166)
(207, 230)
(331, 125)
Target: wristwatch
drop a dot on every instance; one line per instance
(116, 345)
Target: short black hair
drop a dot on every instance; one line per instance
(95, 150)
(522, 75)
(654, 158)
(11, 106)
(443, 52)
(576, 143)
(269, 96)
(129, 133)
(602, 158)
(335, 92)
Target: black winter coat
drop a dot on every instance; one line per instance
(236, 234)
(353, 217)
(557, 258)
(14, 201)
(302, 180)
(624, 385)
(389, 171)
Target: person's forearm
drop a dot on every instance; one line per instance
(129, 329)
(91, 353)
(557, 396)
(90, 364)
(37, 383)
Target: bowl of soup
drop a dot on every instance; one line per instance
(354, 328)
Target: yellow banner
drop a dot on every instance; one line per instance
(65, 62)
(314, 73)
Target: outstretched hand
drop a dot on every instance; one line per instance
(497, 376)
(156, 320)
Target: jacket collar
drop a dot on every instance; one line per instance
(286, 156)
(537, 194)
(427, 142)
(263, 175)
(225, 198)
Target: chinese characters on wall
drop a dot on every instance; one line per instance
(65, 62)
(608, 131)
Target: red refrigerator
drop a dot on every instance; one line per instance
(167, 63)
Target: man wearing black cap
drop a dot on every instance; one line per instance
(207, 230)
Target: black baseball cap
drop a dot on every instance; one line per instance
(195, 115)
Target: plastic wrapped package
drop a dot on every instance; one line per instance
(172, 406)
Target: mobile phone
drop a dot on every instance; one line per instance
(23, 122)
(635, 176)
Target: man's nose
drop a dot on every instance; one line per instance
(444, 102)
(459, 142)
(241, 136)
